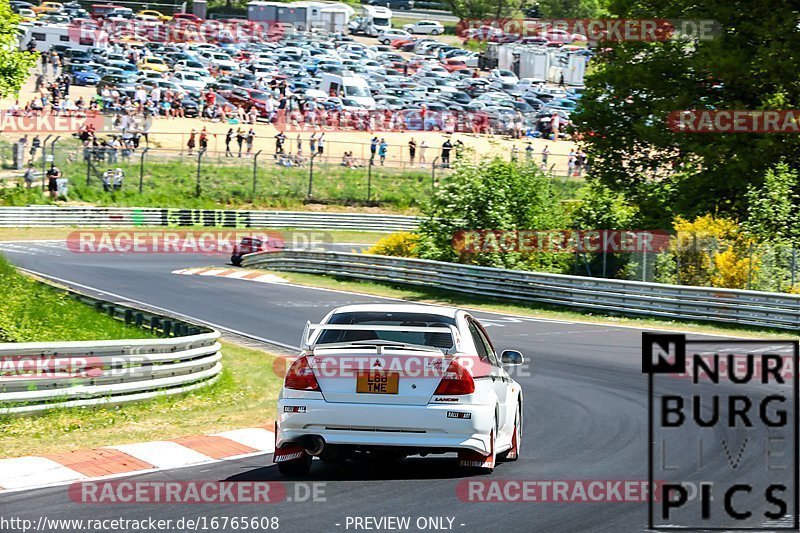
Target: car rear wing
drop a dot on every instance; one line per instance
(312, 330)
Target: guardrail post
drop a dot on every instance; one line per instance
(44, 162)
(141, 169)
(199, 158)
(255, 175)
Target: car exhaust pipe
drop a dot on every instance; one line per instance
(313, 445)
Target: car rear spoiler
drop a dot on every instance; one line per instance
(309, 331)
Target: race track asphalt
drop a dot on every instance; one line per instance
(585, 411)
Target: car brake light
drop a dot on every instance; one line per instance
(455, 380)
(300, 376)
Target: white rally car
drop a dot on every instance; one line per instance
(389, 381)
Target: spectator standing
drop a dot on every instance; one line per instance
(580, 163)
(423, 146)
(279, 140)
(203, 139)
(52, 181)
(412, 149)
(228, 139)
(545, 153)
(373, 148)
(529, 152)
(192, 140)
(30, 175)
(251, 135)
(239, 139)
(321, 144)
(35, 145)
(382, 147)
(446, 148)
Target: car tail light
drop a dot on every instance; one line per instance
(455, 380)
(300, 376)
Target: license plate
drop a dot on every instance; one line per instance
(377, 382)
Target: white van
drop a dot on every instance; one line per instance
(353, 87)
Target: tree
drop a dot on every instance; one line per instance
(773, 209)
(751, 64)
(496, 195)
(480, 10)
(14, 63)
(573, 9)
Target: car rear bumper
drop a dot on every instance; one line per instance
(412, 426)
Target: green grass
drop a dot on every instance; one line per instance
(34, 312)
(230, 184)
(244, 396)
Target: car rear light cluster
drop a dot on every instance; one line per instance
(455, 380)
(300, 376)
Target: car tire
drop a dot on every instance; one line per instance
(512, 454)
(296, 467)
(434, 32)
(236, 260)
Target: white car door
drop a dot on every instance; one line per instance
(500, 380)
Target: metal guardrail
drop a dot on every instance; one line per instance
(46, 215)
(37, 376)
(731, 306)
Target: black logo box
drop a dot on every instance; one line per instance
(664, 341)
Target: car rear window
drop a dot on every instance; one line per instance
(437, 340)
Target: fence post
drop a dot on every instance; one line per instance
(89, 165)
(141, 169)
(199, 158)
(794, 262)
(311, 174)
(53, 149)
(433, 174)
(255, 175)
(369, 180)
(44, 162)
(750, 266)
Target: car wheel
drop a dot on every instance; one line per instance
(434, 32)
(236, 260)
(296, 467)
(512, 454)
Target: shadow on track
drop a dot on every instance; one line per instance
(413, 468)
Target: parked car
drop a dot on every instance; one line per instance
(425, 27)
(390, 34)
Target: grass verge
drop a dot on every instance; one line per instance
(441, 297)
(244, 396)
(34, 312)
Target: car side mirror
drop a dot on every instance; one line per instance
(512, 358)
